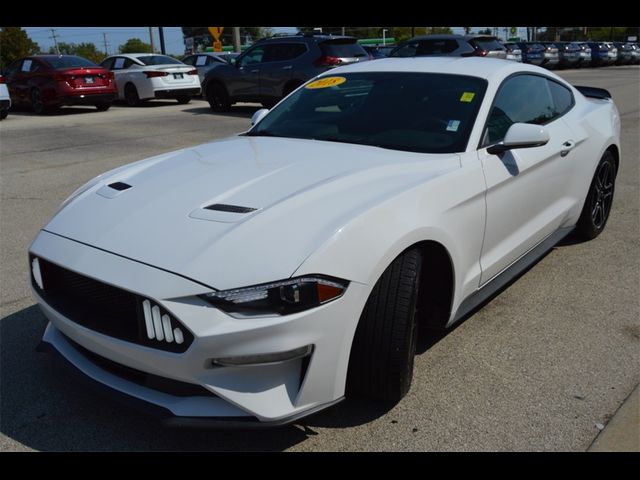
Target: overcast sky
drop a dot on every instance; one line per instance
(116, 36)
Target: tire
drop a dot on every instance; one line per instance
(131, 95)
(37, 103)
(183, 99)
(218, 98)
(4, 114)
(384, 346)
(597, 205)
(103, 107)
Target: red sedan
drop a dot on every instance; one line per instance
(49, 81)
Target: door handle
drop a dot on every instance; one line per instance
(288, 67)
(566, 148)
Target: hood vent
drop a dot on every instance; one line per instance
(119, 186)
(221, 207)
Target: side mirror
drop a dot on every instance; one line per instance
(259, 115)
(521, 135)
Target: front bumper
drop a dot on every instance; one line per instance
(273, 394)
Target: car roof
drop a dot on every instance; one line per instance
(45, 56)
(305, 38)
(487, 68)
(137, 55)
(439, 36)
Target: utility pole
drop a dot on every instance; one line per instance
(161, 32)
(236, 39)
(104, 38)
(153, 50)
(55, 40)
(343, 31)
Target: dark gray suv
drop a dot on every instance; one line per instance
(274, 67)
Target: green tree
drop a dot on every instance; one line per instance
(15, 43)
(86, 50)
(486, 31)
(134, 45)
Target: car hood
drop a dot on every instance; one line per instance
(296, 195)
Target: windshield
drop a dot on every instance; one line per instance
(159, 60)
(415, 112)
(69, 61)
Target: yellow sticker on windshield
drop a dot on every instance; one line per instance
(467, 96)
(326, 82)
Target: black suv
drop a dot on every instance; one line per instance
(453, 45)
(274, 67)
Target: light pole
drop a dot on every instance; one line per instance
(384, 36)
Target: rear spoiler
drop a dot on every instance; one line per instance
(593, 92)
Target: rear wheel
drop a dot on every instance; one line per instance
(131, 95)
(218, 98)
(381, 362)
(597, 205)
(183, 99)
(103, 107)
(37, 103)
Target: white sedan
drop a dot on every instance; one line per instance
(263, 277)
(143, 76)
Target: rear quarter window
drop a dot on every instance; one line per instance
(342, 49)
(562, 98)
(487, 44)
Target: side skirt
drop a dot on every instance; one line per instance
(509, 274)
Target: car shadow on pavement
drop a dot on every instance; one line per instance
(24, 111)
(237, 111)
(44, 408)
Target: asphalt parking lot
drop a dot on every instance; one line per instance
(538, 368)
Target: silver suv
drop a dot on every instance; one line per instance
(455, 45)
(274, 67)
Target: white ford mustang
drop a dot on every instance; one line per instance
(260, 278)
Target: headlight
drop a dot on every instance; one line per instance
(281, 298)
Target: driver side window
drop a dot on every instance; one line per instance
(521, 99)
(252, 57)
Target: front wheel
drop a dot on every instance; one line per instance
(597, 205)
(381, 362)
(218, 98)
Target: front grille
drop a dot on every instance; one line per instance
(107, 309)
(149, 380)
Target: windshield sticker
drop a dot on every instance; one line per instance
(326, 82)
(119, 63)
(453, 125)
(467, 96)
(201, 61)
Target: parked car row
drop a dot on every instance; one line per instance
(546, 54)
(47, 82)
